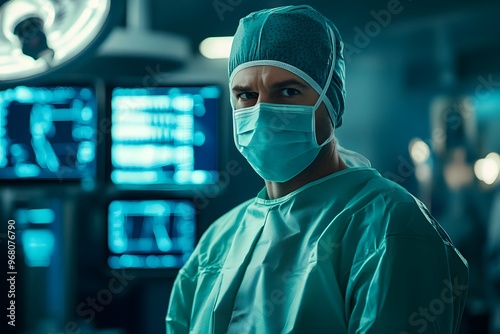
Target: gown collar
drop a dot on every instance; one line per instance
(263, 199)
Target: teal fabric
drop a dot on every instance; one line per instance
(292, 148)
(298, 36)
(350, 253)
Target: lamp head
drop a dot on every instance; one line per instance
(33, 39)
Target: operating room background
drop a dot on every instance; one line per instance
(423, 105)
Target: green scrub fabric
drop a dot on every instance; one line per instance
(350, 253)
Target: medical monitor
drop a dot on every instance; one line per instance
(164, 136)
(150, 234)
(48, 132)
(37, 231)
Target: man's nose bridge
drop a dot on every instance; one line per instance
(264, 97)
(261, 101)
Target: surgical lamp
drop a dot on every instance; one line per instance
(37, 36)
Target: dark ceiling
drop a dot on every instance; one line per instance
(465, 19)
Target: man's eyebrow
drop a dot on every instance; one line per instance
(240, 89)
(277, 85)
(289, 83)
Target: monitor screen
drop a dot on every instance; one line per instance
(164, 135)
(150, 233)
(39, 233)
(48, 132)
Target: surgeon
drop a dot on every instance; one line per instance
(328, 246)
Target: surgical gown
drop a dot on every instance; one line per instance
(349, 253)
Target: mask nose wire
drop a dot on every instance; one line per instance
(330, 75)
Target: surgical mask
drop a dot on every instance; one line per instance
(278, 140)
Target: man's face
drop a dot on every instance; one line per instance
(272, 84)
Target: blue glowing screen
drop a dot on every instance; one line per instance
(151, 233)
(37, 234)
(48, 133)
(164, 136)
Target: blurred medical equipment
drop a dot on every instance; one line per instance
(37, 36)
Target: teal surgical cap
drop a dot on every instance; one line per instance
(298, 39)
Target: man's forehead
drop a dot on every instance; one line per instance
(268, 75)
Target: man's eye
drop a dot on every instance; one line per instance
(247, 95)
(290, 92)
